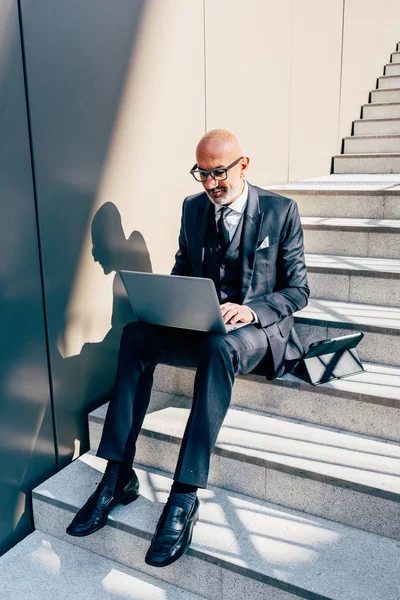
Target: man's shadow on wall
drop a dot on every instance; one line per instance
(87, 378)
(114, 252)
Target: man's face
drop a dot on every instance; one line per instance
(102, 255)
(223, 192)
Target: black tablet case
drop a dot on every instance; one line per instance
(333, 359)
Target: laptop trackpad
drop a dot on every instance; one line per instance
(234, 326)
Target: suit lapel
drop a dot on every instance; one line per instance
(199, 236)
(251, 227)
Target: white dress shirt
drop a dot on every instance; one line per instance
(237, 209)
(232, 220)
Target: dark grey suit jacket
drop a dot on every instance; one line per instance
(274, 278)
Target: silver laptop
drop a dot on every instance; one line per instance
(176, 301)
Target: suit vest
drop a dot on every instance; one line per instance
(224, 269)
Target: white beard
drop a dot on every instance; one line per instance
(223, 201)
(226, 199)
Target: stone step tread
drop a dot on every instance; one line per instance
(383, 91)
(374, 127)
(367, 317)
(380, 103)
(351, 224)
(279, 442)
(359, 183)
(42, 567)
(377, 266)
(388, 76)
(388, 144)
(378, 120)
(380, 111)
(368, 155)
(388, 95)
(384, 81)
(379, 384)
(365, 403)
(262, 541)
(383, 162)
(373, 136)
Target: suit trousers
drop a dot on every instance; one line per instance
(218, 358)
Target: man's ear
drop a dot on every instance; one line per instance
(244, 166)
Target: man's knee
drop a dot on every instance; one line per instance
(135, 332)
(217, 344)
(140, 339)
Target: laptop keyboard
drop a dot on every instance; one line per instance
(234, 326)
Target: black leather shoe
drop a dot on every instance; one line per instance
(173, 535)
(93, 514)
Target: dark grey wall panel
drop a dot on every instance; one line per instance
(27, 453)
(77, 55)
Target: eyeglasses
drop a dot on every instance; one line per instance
(218, 174)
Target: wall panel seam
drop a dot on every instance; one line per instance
(338, 145)
(205, 65)
(34, 187)
(290, 92)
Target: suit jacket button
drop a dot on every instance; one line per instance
(223, 287)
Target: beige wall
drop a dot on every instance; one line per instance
(119, 94)
(146, 173)
(287, 76)
(248, 79)
(316, 37)
(290, 76)
(371, 31)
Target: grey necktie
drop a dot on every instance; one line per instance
(223, 232)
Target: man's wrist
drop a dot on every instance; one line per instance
(255, 318)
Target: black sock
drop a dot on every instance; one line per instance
(124, 475)
(116, 475)
(183, 495)
(111, 474)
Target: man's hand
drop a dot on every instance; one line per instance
(236, 313)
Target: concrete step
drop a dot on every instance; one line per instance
(392, 69)
(323, 319)
(384, 110)
(241, 548)
(385, 95)
(367, 163)
(43, 567)
(365, 196)
(376, 126)
(366, 403)
(372, 144)
(352, 237)
(395, 57)
(264, 456)
(389, 82)
(354, 279)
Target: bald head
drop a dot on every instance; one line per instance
(218, 149)
(218, 142)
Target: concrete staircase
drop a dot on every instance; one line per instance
(304, 496)
(374, 146)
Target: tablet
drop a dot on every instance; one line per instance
(333, 358)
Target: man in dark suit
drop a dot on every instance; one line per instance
(250, 243)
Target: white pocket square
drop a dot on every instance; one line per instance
(264, 244)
